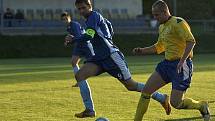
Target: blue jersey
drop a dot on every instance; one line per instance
(98, 36)
(110, 27)
(75, 29)
(80, 47)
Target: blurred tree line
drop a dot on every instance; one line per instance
(188, 9)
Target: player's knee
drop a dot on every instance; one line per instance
(78, 76)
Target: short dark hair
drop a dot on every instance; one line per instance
(88, 2)
(65, 14)
(161, 5)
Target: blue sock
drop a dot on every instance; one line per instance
(85, 91)
(156, 95)
(140, 86)
(86, 95)
(75, 69)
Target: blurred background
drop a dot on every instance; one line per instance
(28, 27)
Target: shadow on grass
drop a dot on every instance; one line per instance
(211, 101)
(189, 119)
(38, 90)
(193, 118)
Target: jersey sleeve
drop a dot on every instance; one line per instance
(92, 25)
(159, 46)
(77, 30)
(183, 30)
(110, 27)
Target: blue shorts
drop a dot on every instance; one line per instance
(180, 81)
(81, 50)
(115, 65)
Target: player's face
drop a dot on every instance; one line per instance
(84, 9)
(158, 15)
(65, 19)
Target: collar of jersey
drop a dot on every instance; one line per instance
(168, 20)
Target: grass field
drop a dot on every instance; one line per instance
(41, 90)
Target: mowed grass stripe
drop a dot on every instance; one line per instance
(49, 96)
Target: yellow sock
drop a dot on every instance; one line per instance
(142, 106)
(189, 103)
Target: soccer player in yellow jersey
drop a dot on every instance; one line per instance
(176, 40)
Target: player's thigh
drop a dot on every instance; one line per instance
(153, 83)
(88, 70)
(117, 66)
(75, 60)
(181, 81)
(176, 97)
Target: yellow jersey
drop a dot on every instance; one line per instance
(172, 39)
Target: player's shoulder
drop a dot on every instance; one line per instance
(178, 20)
(75, 23)
(107, 21)
(96, 15)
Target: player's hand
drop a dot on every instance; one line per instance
(180, 66)
(68, 39)
(137, 50)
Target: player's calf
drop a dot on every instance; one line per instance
(79, 77)
(131, 87)
(163, 99)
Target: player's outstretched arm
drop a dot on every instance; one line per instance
(145, 50)
(88, 35)
(189, 47)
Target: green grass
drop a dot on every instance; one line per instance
(40, 90)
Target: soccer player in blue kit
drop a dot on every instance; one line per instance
(105, 57)
(80, 48)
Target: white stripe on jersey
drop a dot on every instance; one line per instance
(108, 43)
(90, 46)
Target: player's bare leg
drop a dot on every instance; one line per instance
(152, 85)
(88, 70)
(179, 102)
(164, 100)
(75, 61)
